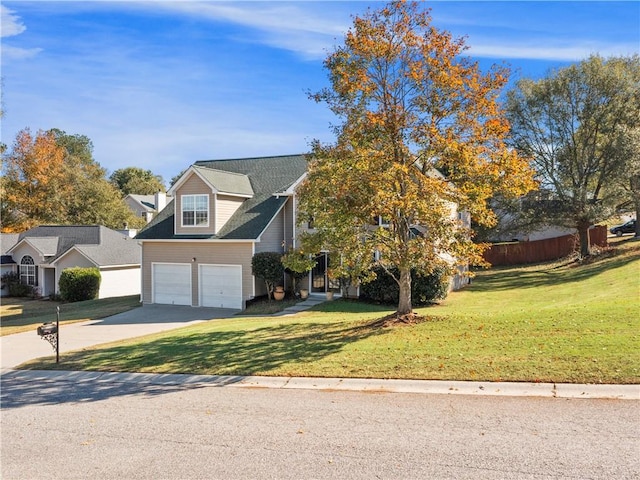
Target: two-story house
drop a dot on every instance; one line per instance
(198, 250)
(147, 206)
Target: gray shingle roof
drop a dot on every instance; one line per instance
(226, 182)
(7, 240)
(147, 201)
(47, 245)
(267, 176)
(101, 245)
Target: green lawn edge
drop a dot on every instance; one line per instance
(560, 322)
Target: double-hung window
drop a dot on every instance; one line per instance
(195, 210)
(28, 271)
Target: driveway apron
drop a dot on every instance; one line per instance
(144, 320)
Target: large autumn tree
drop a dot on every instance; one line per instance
(411, 105)
(52, 178)
(577, 126)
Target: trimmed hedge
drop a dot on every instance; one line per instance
(78, 284)
(425, 289)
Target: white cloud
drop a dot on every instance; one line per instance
(300, 28)
(17, 53)
(11, 23)
(548, 50)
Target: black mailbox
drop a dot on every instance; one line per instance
(47, 329)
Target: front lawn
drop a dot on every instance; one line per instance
(23, 314)
(558, 322)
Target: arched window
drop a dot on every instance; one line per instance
(28, 271)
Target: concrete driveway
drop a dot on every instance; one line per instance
(18, 348)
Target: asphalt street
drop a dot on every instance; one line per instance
(57, 428)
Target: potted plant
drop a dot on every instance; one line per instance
(278, 293)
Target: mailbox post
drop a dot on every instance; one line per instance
(50, 333)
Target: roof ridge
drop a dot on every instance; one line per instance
(221, 171)
(250, 158)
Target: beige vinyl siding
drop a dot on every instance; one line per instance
(273, 236)
(225, 207)
(216, 253)
(194, 185)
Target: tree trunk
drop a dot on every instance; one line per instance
(404, 301)
(583, 232)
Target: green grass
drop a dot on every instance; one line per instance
(22, 315)
(548, 323)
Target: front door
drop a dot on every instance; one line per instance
(319, 274)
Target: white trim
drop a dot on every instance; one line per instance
(40, 252)
(253, 284)
(292, 188)
(125, 265)
(195, 225)
(196, 240)
(183, 179)
(69, 251)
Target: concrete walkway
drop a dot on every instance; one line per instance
(311, 301)
(147, 319)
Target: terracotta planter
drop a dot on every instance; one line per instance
(278, 294)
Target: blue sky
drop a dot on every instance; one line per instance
(160, 84)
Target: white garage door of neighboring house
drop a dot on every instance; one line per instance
(221, 286)
(172, 283)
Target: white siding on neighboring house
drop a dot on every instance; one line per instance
(119, 281)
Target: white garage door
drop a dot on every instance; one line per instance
(221, 286)
(172, 283)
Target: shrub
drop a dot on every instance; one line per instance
(78, 284)
(11, 281)
(268, 266)
(425, 289)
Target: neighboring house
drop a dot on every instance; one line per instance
(7, 264)
(198, 250)
(147, 206)
(42, 253)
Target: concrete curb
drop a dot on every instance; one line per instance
(435, 387)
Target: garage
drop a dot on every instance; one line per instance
(221, 286)
(171, 283)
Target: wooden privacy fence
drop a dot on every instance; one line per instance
(517, 253)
